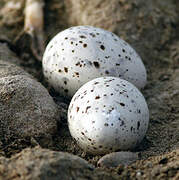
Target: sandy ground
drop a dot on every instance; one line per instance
(156, 42)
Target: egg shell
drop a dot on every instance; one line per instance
(82, 53)
(108, 114)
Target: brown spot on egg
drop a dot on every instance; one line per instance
(123, 50)
(96, 64)
(77, 109)
(66, 69)
(65, 82)
(102, 47)
(97, 97)
(106, 72)
(83, 37)
(93, 35)
(88, 107)
(84, 45)
(77, 64)
(106, 124)
(77, 74)
(59, 70)
(122, 123)
(107, 57)
(122, 104)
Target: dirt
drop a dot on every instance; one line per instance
(157, 41)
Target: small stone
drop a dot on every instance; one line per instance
(26, 108)
(118, 158)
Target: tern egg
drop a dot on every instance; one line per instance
(82, 53)
(108, 114)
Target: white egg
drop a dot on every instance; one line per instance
(79, 54)
(108, 114)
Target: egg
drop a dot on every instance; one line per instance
(108, 114)
(82, 53)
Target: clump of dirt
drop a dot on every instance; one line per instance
(151, 28)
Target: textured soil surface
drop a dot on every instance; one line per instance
(151, 27)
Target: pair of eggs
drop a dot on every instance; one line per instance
(96, 67)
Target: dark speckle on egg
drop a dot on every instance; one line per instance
(83, 37)
(102, 47)
(77, 109)
(96, 64)
(123, 50)
(122, 104)
(96, 83)
(97, 97)
(88, 107)
(106, 72)
(84, 45)
(106, 124)
(66, 69)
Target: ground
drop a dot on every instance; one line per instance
(151, 28)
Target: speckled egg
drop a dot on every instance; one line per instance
(108, 114)
(82, 53)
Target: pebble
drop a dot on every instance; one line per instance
(117, 158)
